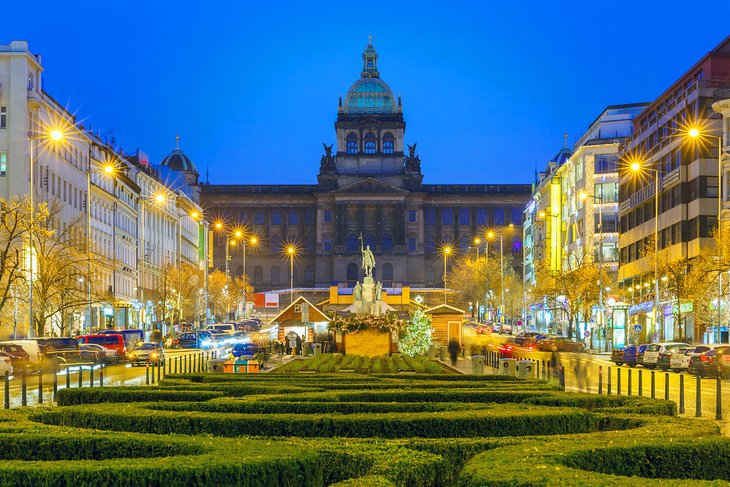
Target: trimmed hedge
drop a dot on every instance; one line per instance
(328, 363)
(70, 397)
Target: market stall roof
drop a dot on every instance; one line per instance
(295, 310)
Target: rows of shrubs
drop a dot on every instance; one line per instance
(329, 363)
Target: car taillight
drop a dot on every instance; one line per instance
(706, 359)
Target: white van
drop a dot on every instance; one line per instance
(221, 327)
(31, 348)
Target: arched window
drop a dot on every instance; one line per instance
(352, 243)
(275, 244)
(370, 146)
(275, 275)
(351, 143)
(387, 275)
(258, 275)
(351, 274)
(370, 240)
(309, 274)
(388, 143)
(387, 242)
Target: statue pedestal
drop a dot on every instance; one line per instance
(368, 290)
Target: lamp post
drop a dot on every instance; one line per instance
(477, 241)
(601, 316)
(291, 251)
(695, 133)
(492, 235)
(446, 250)
(158, 199)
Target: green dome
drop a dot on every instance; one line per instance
(370, 95)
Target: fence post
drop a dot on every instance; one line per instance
(68, 379)
(81, 375)
(609, 381)
(629, 382)
(681, 393)
(147, 372)
(159, 371)
(641, 382)
(176, 365)
(7, 389)
(101, 376)
(698, 398)
(600, 379)
(40, 386)
(55, 381)
(653, 385)
(562, 377)
(618, 381)
(91, 376)
(718, 398)
(24, 389)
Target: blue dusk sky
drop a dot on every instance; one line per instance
(488, 88)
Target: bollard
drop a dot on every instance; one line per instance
(200, 362)
(147, 373)
(81, 375)
(562, 376)
(169, 367)
(718, 398)
(666, 386)
(600, 379)
(91, 376)
(618, 381)
(698, 398)
(176, 365)
(68, 379)
(40, 386)
(681, 393)
(185, 364)
(641, 383)
(55, 382)
(608, 392)
(629, 382)
(537, 368)
(159, 370)
(653, 385)
(101, 376)
(24, 389)
(7, 389)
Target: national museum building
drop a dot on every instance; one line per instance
(369, 185)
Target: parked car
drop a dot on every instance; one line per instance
(560, 344)
(132, 338)
(626, 355)
(6, 365)
(680, 357)
(709, 363)
(195, 339)
(112, 341)
(640, 350)
(526, 338)
(98, 354)
(221, 327)
(249, 325)
(18, 356)
(243, 351)
(651, 354)
(31, 348)
(146, 353)
(61, 350)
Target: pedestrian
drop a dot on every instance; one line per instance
(454, 349)
(299, 345)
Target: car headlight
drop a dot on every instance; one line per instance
(154, 355)
(206, 343)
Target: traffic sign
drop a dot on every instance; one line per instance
(519, 322)
(637, 328)
(587, 333)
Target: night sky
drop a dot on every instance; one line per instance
(252, 87)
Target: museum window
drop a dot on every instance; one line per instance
(429, 246)
(259, 218)
(275, 275)
(309, 274)
(352, 243)
(412, 244)
(275, 217)
(258, 274)
(481, 216)
(516, 216)
(447, 216)
(310, 246)
(275, 244)
(293, 217)
(309, 216)
(327, 216)
(351, 274)
(327, 245)
(387, 242)
(411, 216)
(351, 143)
(370, 145)
(370, 240)
(387, 276)
(429, 215)
(388, 143)
(499, 216)
(464, 242)
(464, 216)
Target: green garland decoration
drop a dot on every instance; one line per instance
(350, 324)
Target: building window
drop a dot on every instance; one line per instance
(516, 216)
(352, 243)
(293, 217)
(351, 274)
(447, 216)
(387, 275)
(387, 242)
(464, 216)
(429, 215)
(411, 244)
(258, 274)
(275, 217)
(388, 143)
(481, 216)
(3, 117)
(411, 216)
(429, 245)
(309, 274)
(370, 146)
(275, 244)
(3, 163)
(309, 216)
(275, 275)
(259, 218)
(351, 143)
(327, 245)
(430, 274)
(464, 242)
(310, 245)
(499, 216)
(30, 81)
(370, 240)
(327, 216)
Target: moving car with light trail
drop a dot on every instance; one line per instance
(147, 353)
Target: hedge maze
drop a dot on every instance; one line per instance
(355, 430)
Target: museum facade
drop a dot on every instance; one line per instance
(369, 191)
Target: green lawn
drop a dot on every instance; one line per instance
(351, 429)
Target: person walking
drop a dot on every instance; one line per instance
(454, 349)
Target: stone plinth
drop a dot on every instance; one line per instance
(367, 343)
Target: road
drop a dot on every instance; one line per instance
(114, 375)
